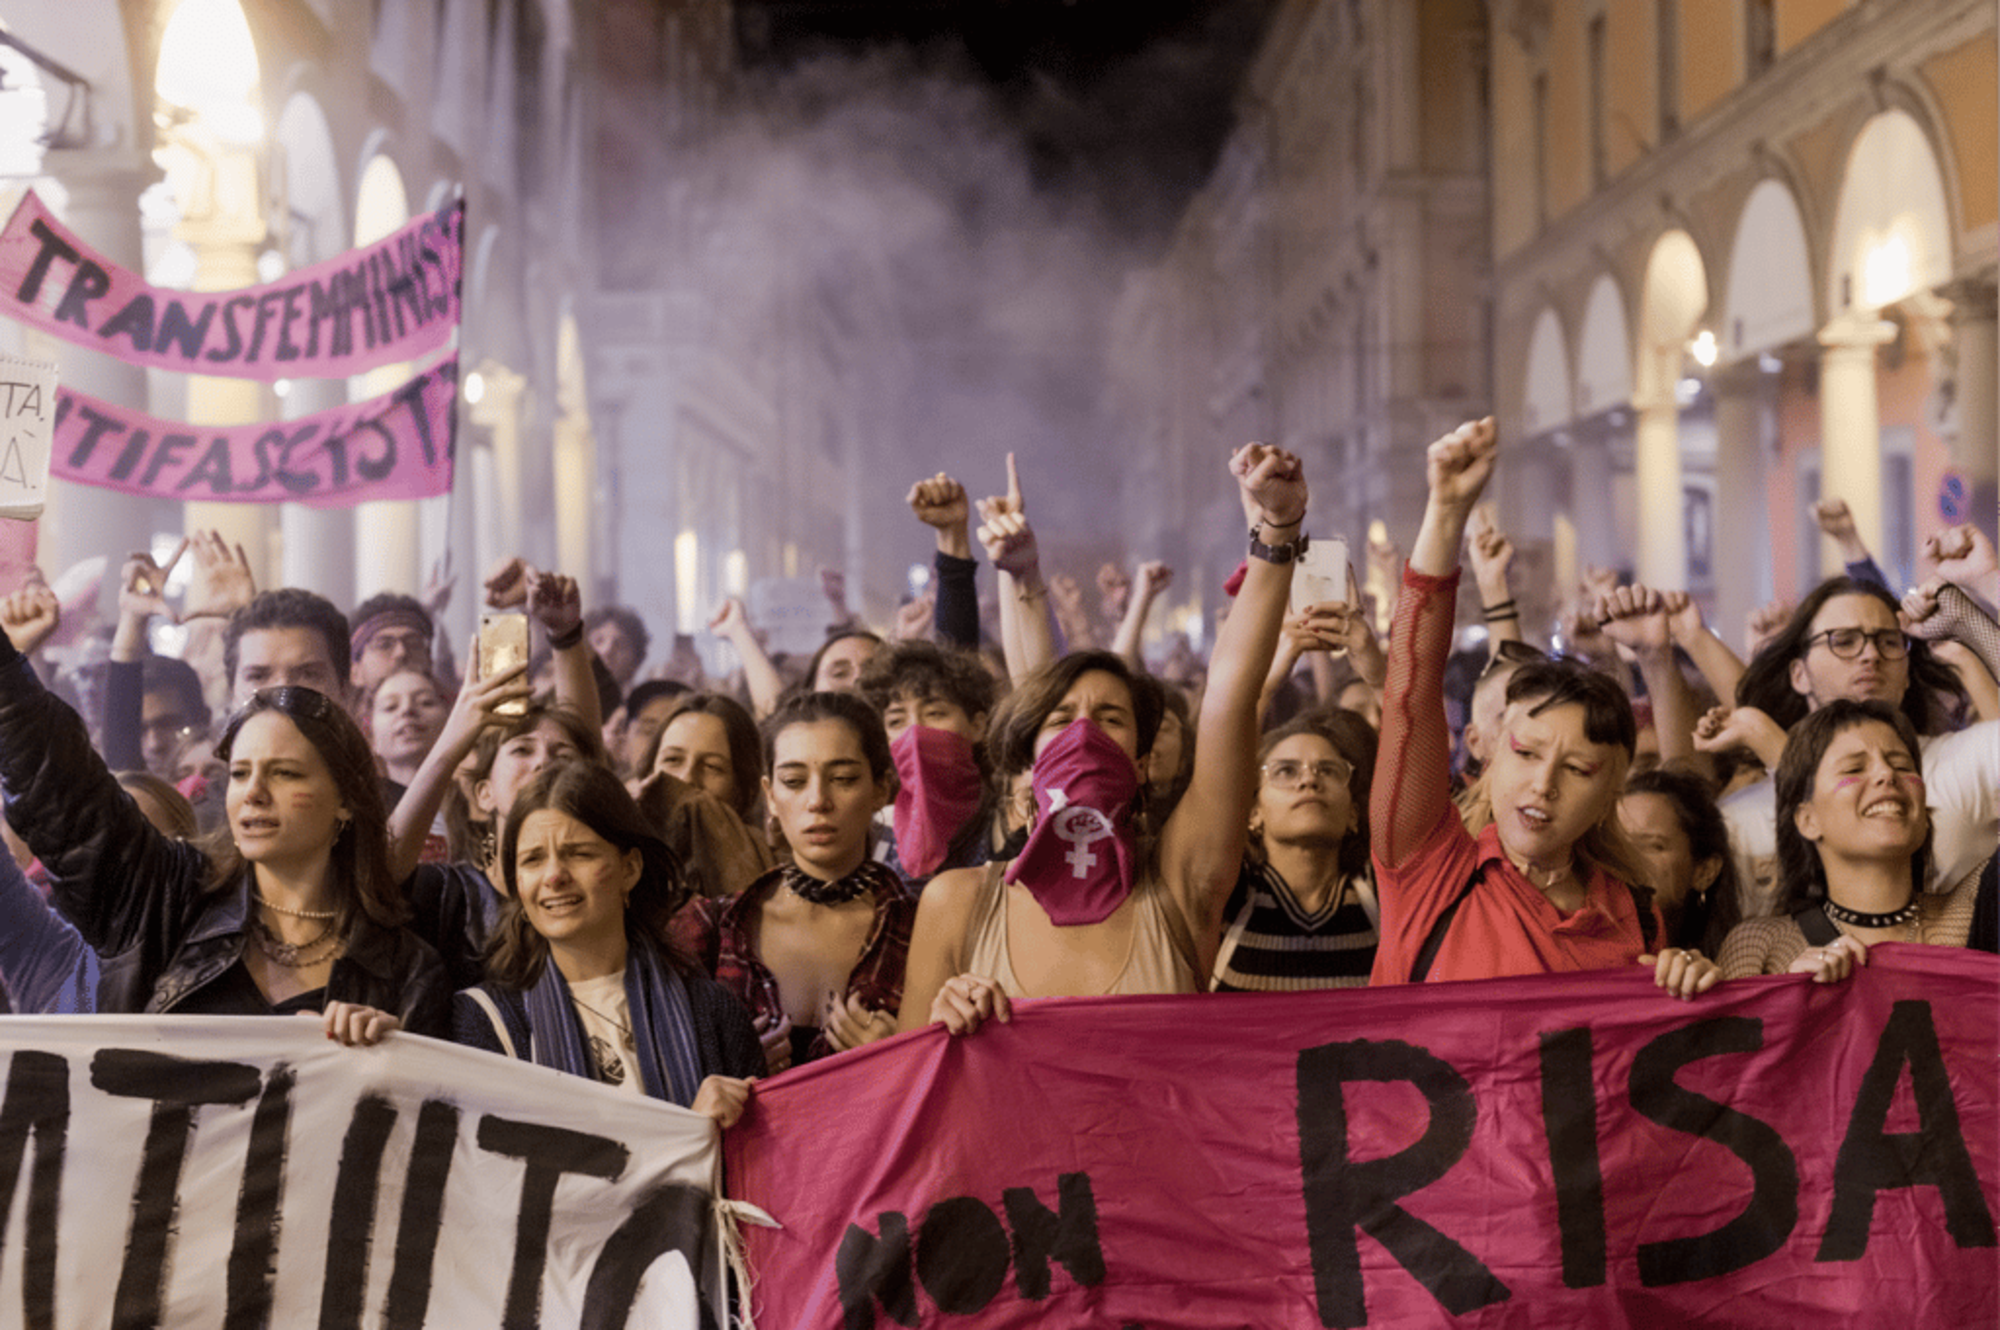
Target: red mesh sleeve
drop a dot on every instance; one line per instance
(1412, 786)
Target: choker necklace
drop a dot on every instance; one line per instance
(258, 896)
(1840, 914)
(821, 892)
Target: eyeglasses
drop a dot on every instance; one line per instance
(1846, 643)
(1287, 774)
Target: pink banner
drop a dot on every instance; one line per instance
(395, 300)
(1551, 1151)
(397, 446)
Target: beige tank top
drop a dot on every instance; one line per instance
(1155, 963)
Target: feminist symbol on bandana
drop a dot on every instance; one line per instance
(1080, 827)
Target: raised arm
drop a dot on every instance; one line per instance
(557, 605)
(941, 504)
(112, 869)
(760, 676)
(472, 711)
(1492, 556)
(141, 594)
(1963, 556)
(1154, 577)
(1635, 617)
(1025, 633)
(1201, 848)
(1710, 654)
(1836, 522)
(1411, 792)
(1941, 613)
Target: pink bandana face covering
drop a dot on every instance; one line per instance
(1080, 858)
(938, 788)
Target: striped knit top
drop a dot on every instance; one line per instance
(1271, 944)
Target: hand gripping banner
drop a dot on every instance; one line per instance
(395, 300)
(1576, 1150)
(195, 1172)
(396, 446)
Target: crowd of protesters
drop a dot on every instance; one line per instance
(676, 885)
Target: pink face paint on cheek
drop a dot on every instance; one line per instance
(1846, 781)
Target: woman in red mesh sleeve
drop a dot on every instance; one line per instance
(1538, 876)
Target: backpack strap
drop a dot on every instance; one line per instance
(1812, 921)
(1427, 954)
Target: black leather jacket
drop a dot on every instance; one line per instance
(140, 899)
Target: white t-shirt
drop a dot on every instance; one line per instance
(1961, 787)
(607, 1025)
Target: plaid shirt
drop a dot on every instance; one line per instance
(717, 931)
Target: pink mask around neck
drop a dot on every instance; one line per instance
(1081, 857)
(938, 789)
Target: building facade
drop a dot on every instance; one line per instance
(1326, 290)
(1743, 258)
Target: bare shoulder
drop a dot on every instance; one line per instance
(952, 894)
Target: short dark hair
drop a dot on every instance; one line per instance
(170, 674)
(628, 621)
(1934, 689)
(920, 669)
(592, 795)
(1801, 874)
(289, 607)
(846, 708)
(1561, 681)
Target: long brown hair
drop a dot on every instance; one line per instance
(360, 877)
(466, 827)
(590, 793)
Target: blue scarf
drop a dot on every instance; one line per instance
(662, 1026)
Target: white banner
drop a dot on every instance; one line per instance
(246, 1172)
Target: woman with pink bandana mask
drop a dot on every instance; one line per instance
(934, 702)
(1091, 906)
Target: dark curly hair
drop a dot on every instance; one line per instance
(919, 669)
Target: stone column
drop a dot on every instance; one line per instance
(388, 550)
(1590, 505)
(1850, 426)
(1656, 462)
(223, 222)
(84, 520)
(1976, 442)
(318, 542)
(498, 499)
(1742, 549)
